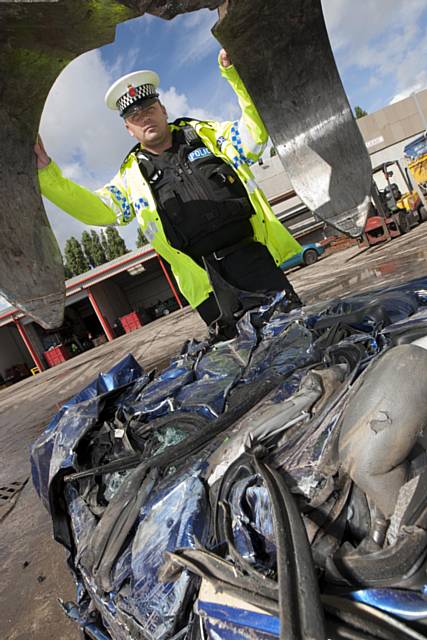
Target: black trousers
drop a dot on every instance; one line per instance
(251, 268)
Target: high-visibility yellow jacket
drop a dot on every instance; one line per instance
(239, 144)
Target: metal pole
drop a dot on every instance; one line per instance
(104, 322)
(29, 346)
(170, 283)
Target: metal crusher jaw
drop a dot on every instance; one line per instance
(283, 55)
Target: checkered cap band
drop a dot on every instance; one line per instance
(143, 91)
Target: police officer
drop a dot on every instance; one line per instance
(190, 185)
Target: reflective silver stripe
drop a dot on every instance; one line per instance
(248, 141)
(150, 231)
(252, 185)
(117, 201)
(111, 204)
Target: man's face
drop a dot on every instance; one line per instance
(148, 125)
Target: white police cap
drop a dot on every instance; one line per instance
(135, 87)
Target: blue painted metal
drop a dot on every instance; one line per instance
(260, 622)
(416, 148)
(408, 605)
(90, 628)
(218, 630)
(93, 632)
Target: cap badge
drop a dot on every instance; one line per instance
(131, 91)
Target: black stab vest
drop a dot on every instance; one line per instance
(200, 199)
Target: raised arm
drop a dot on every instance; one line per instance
(249, 133)
(106, 206)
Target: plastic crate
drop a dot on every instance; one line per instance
(57, 355)
(131, 322)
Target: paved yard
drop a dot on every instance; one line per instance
(34, 570)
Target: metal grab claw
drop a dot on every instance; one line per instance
(287, 65)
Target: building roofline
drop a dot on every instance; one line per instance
(85, 280)
(116, 264)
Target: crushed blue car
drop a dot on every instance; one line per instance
(309, 255)
(267, 486)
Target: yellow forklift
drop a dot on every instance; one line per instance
(416, 155)
(393, 212)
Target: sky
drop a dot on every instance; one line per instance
(378, 46)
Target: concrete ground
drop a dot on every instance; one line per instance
(34, 571)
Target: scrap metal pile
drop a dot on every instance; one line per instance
(271, 485)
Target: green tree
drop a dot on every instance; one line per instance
(359, 112)
(141, 240)
(98, 251)
(75, 260)
(116, 246)
(87, 245)
(67, 272)
(104, 243)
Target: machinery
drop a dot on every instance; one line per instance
(299, 94)
(393, 213)
(416, 153)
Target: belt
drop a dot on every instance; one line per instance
(223, 253)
